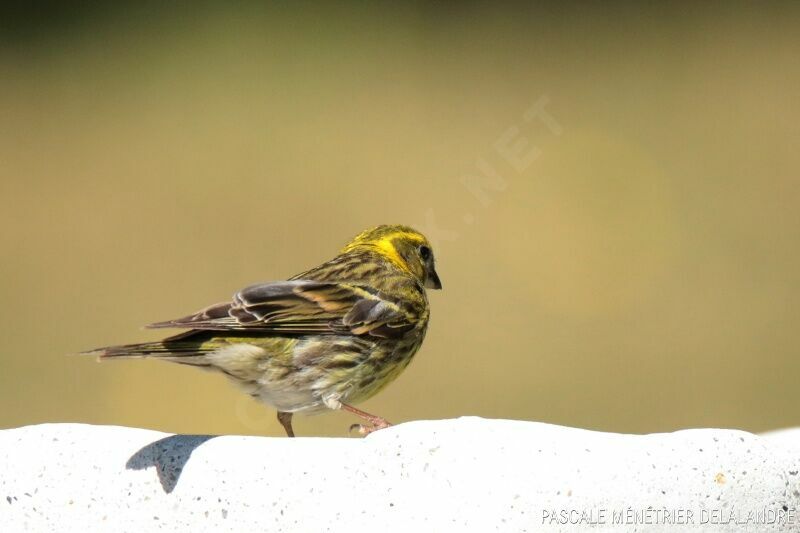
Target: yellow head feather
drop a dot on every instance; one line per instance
(382, 239)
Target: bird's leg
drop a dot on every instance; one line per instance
(376, 422)
(286, 421)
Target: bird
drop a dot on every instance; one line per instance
(325, 339)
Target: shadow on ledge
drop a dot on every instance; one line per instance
(169, 455)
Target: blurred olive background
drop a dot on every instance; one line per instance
(612, 191)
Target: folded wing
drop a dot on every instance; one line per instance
(301, 308)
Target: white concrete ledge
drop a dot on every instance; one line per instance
(468, 474)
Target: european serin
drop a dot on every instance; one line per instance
(328, 338)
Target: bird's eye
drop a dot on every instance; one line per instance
(424, 253)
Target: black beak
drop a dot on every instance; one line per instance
(432, 281)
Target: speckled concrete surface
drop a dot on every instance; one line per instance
(468, 474)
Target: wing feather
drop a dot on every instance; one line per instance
(301, 307)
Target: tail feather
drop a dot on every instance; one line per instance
(187, 353)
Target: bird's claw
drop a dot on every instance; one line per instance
(365, 430)
(361, 429)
